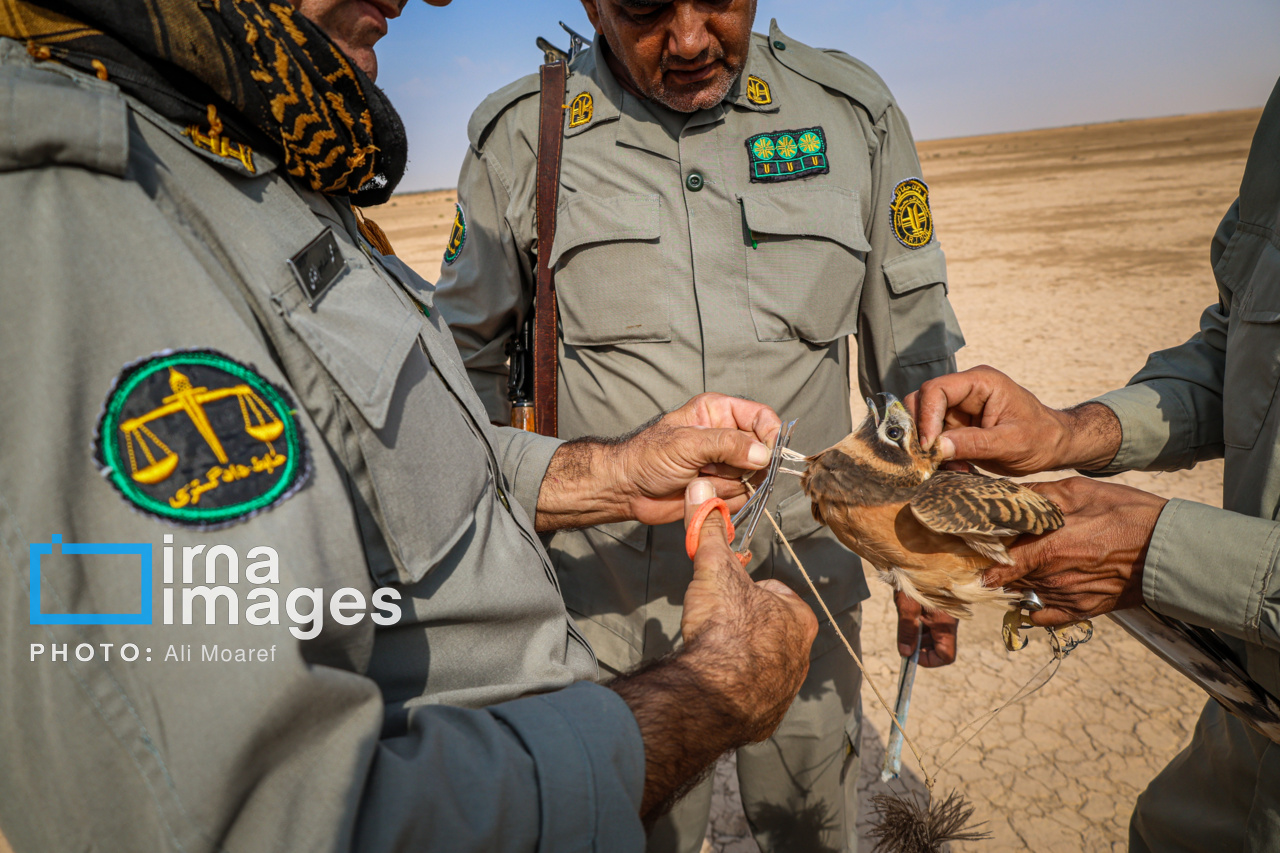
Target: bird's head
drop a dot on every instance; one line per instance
(886, 440)
(879, 462)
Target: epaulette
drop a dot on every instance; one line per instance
(496, 104)
(55, 116)
(833, 69)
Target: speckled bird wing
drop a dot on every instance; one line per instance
(983, 511)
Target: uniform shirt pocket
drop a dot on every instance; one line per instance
(611, 270)
(361, 343)
(1252, 269)
(806, 258)
(925, 328)
(365, 335)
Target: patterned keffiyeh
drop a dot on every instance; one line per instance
(277, 78)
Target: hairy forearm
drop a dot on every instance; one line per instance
(1090, 438)
(582, 487)
(685, 721)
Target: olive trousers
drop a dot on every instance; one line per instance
(1221, 793)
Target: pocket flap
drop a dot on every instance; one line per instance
(833, 214)
(586, 219)
(916, 269)
(362, 333)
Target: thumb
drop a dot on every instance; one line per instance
(713, 536)
(695, 495)
(730, 447)
(973, 443)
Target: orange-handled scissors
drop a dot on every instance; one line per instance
(752, 510)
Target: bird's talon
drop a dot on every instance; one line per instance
(1011, 630)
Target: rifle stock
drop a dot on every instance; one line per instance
(522, 417)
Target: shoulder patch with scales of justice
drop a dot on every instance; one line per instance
(197, 438)
(912, 218)
(785, 155)
(758, 91)
(457, 236)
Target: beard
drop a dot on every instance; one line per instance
(697, 96)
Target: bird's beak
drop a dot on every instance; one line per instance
(895, 412)
(875, 413)
(893, 406)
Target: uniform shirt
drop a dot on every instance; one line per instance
(1214, 397)
(127, 240)
(733, 249)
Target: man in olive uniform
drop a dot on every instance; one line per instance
(269, 578)
(1211, 397)
(732, 207)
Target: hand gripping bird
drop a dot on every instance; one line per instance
(928, 533)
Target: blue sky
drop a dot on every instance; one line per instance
(957, 68)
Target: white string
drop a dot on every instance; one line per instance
(928, 780)
(1018, 695)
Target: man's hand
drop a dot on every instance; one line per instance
(936, 629)
(1093, 564)
(643, 476)
(983, 416)
(745, 655)
(751, 638)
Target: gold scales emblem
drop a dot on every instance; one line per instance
(260, 422)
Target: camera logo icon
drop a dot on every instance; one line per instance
(141, 550)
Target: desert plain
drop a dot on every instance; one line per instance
(1072, 253)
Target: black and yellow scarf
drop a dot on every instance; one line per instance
(266, 65)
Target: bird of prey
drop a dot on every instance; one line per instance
(928, 533)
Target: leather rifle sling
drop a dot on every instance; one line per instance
(550, 143)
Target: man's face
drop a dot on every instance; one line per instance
(684, 54)
(355, 25)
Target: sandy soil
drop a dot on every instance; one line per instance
(1072, 253)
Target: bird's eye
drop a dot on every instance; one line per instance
(895, 433)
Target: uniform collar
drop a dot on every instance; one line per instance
(226, 148)
(758, 66)
(635, 124)
(591, 77)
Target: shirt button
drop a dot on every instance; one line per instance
(780, 45)
(693, 182)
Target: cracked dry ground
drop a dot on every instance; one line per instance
(1072, 253)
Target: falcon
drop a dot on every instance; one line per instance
(928, 533)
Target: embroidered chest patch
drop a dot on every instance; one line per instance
(457, 236)
(197, 438)
(912, 219)
(784, 155)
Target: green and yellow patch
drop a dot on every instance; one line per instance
(784, 155)
(197, 438)
(457, 236)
